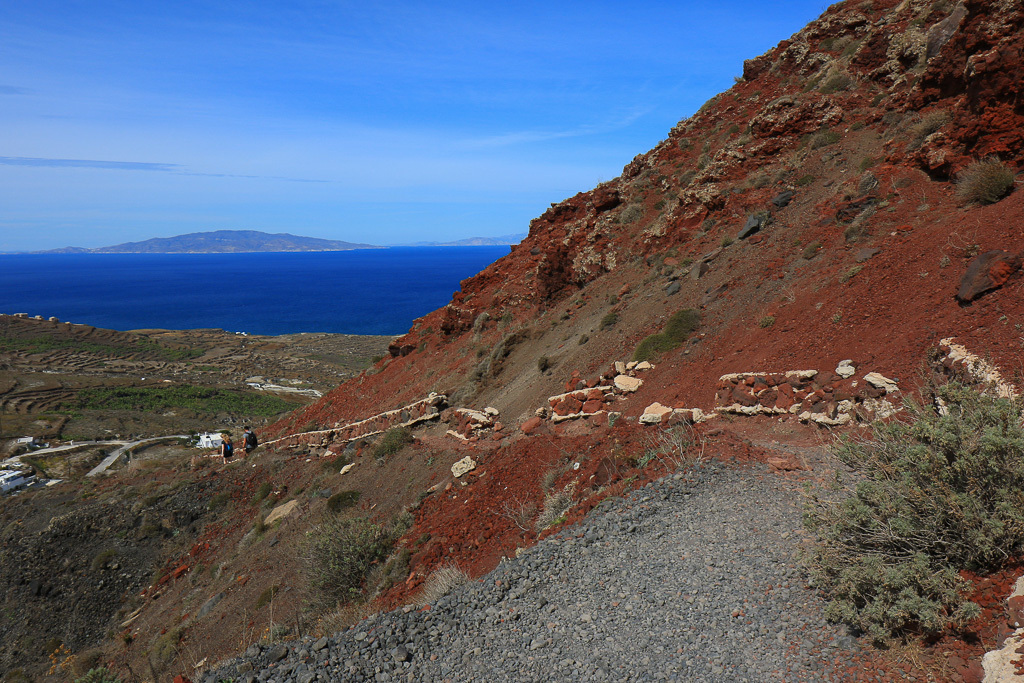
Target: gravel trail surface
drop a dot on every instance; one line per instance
(691, 578)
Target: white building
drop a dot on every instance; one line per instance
(209, 440)
(11, 480)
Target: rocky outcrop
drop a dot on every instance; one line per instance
(988, 271)
(954, 361)
(1004, 664)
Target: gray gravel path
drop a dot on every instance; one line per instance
(691, 578)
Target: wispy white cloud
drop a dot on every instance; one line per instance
(533, 136)
(177, 169)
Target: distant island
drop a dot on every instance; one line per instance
(501, 240)
(248, 241)
(219, 242)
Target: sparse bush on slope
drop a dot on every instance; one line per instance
(677, 330)
(937, 494)
(985, 182)
(393, 440)
(339, 553)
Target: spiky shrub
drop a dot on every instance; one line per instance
(100, 675)
(441, 582)
(985, 182)
(338, 555)
(556, 504)
(936, 494)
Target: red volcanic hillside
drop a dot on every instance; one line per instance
(841, 147)
(852, 198)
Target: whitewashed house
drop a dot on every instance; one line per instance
(209, 440)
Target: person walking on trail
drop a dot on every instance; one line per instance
(227, 449)
(250, 442)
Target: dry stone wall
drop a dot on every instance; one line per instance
(826, 397)
(468, 424)
(425, 409)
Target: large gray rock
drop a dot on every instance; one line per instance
(752, 225)
(783, 199)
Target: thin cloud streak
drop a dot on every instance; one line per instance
(527, 136)
(89, 163)
(176, 169)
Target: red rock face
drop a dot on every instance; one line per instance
(989, 271)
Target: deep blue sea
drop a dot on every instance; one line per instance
(366, 291)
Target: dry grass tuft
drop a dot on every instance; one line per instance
(985, 182)
(439, 584)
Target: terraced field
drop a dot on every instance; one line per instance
(45, 365)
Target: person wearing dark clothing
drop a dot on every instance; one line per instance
(249, 441)
(227, 449)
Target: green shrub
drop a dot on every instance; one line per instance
(766, 322)
(339, 553)
(726, 241)
(936, 494)
(805, 180)
(825, 138)
(631, 214)
(267, 596)
(856, 231)
(219, 500)
(543, 363)
(851, 273)
(165, 648)
(929, 123)
(556, 505)
(609, 320)
(985, 182)
(677, 330)
(103, 559)
(342, 500)
(100, 675)
(811, 250)
(262, 491)
(835, 83)
(394, 440)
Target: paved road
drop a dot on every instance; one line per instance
(122, 447)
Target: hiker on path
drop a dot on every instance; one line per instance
(249, 441)
(227, 449)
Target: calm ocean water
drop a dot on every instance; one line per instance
(371, 291)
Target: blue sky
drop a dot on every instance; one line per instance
(383, 122)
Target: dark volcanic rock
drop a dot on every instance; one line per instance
(988, 271)
(783, 199)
